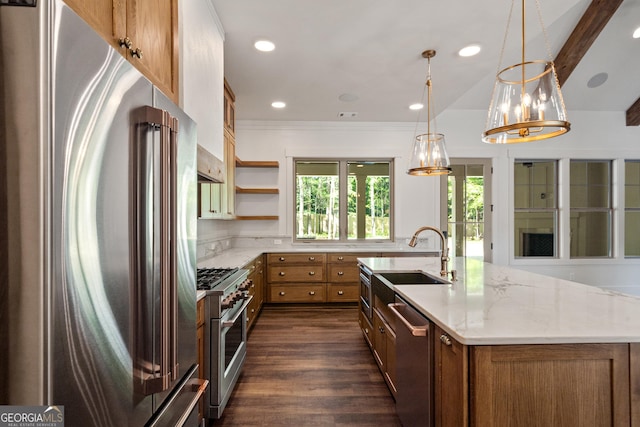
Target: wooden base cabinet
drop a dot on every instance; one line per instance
(555, 385)
(384, 349)
(542, 385)
(200, 349)
(256, 275)
(450, 381)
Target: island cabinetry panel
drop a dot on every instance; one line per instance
(367, 329)
(560, 385)
(145, 32)
(256, 275)
(634, 365)
(450, 381)
(384, 349)
(297, 277)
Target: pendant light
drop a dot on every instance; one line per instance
(429, 156)
(526, 104)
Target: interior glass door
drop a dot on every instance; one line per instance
(466, 211)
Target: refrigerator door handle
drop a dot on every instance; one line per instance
(159, 376)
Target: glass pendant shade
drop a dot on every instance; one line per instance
(429, 156)
(526, 109)
(527, 103)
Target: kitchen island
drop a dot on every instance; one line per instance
(516, 348)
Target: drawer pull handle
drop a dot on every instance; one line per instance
(312, 273)
(340, 273)
(281, 273)
(340, 293)
(312, 258)
(366, 331)
(312, 293)
(340, 258)
(253, 310)
(445, 340)
(281, 258)
(281, 293)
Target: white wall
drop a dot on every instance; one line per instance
(593, 135)
(202, 71)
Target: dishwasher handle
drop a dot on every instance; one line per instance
(416, 331)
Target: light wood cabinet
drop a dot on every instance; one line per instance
(555, 384)
(144, 31)
(634, 377)
(561, 384)
(200, 350)
(256, 275)
(229, 116)
(296, 277)
(217, 201)
(343, 276)
(450, 381)
(384, 349)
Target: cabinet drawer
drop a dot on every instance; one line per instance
(297, 293)
(349, 258)
(343, 273)
(297, 258)
(298, 273)
(342, 292)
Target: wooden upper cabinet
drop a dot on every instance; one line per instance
(229, 109)
(151, 26)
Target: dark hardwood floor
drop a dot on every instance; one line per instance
(309, 367)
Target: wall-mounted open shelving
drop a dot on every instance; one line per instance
(256, 190)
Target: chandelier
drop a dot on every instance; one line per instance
(526, 104)
(429, 155)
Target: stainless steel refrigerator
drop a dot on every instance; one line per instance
(97, 230)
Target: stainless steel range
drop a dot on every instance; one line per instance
(225, 331)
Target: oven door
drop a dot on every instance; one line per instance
(228, 351)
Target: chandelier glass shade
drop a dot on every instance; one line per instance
(429, 155)
(527, 103)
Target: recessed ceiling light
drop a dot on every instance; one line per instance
(636, 33)
(416, 107)
(278, 104)
(264, 45)
(471, 50)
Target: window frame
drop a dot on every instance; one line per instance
(343, 175)
(609, 210)
(628, 209)
(555, 211)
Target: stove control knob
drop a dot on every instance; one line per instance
(246, 285)
(226, 303)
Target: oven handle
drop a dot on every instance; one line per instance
(229, 323)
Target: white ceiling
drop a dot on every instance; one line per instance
(372, 49)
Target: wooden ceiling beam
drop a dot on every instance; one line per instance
(633, 114)
(593, 21)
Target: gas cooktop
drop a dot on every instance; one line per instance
(209, 278)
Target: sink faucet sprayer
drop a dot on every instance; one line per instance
(444, 254)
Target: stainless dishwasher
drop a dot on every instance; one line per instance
(414, 369)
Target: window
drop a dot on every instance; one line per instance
(591, 208)
(343, 200)
(632, 208)
(535, 208)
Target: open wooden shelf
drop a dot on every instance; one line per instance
(257, 163)
(257, 217)
(241, 190)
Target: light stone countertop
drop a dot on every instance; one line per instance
(491, 304)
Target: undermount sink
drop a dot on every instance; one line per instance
(412, 278)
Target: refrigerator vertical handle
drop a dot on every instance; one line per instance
(157, 377)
